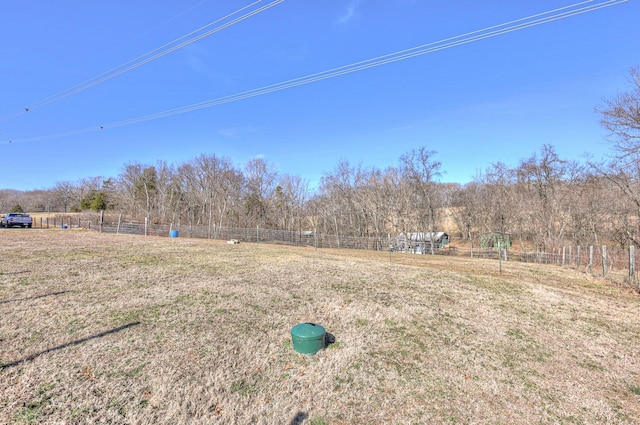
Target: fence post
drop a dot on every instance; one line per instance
(500, 256)
(146, 225)
(578, 256)
(590, 258)
(632, 263)
(604, 260)
(119, 221)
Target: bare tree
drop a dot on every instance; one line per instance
(210, 185)
(260, 184)
(341, 210)
(421, 172)
(395, 190)
(65, 194)
(291, 193)
(39, 200)
(138, 187)
(621, 117)
(543, 184)
(467, 209)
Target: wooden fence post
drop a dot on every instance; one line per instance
(604, 260)
(500, 256)
(632, 262)
(578, 256)
(315, 238)
(590, 258)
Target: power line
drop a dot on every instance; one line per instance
(432, 47)
(149, 56)
(173, 18)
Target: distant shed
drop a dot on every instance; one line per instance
(420, 242)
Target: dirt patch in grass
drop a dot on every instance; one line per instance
(124, 329)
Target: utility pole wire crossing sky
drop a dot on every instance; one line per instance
(432, 47)
(147, 57)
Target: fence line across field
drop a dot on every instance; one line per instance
(594, 260)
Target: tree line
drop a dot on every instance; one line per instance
(544, 200)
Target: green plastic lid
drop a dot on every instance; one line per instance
(308, 331)
(308, 338)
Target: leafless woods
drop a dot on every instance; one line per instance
(545, 200)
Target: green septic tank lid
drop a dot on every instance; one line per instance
(307, 338)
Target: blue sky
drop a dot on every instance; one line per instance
(496, 99)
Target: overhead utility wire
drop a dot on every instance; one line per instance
(149, 56)
(383, 60)
(144, 59)
(117, 71)
(173, 18)
(470, 37)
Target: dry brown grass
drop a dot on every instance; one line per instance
(121, 329)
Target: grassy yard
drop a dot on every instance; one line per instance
(119, 329)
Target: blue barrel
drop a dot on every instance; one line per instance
(173, 234)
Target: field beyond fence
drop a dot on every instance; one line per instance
(614, 263)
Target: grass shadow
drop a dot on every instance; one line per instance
(299, 418)
(14, 273)
(68, 344)
(35, 297)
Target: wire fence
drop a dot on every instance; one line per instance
(611, 262)
(597, 260)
